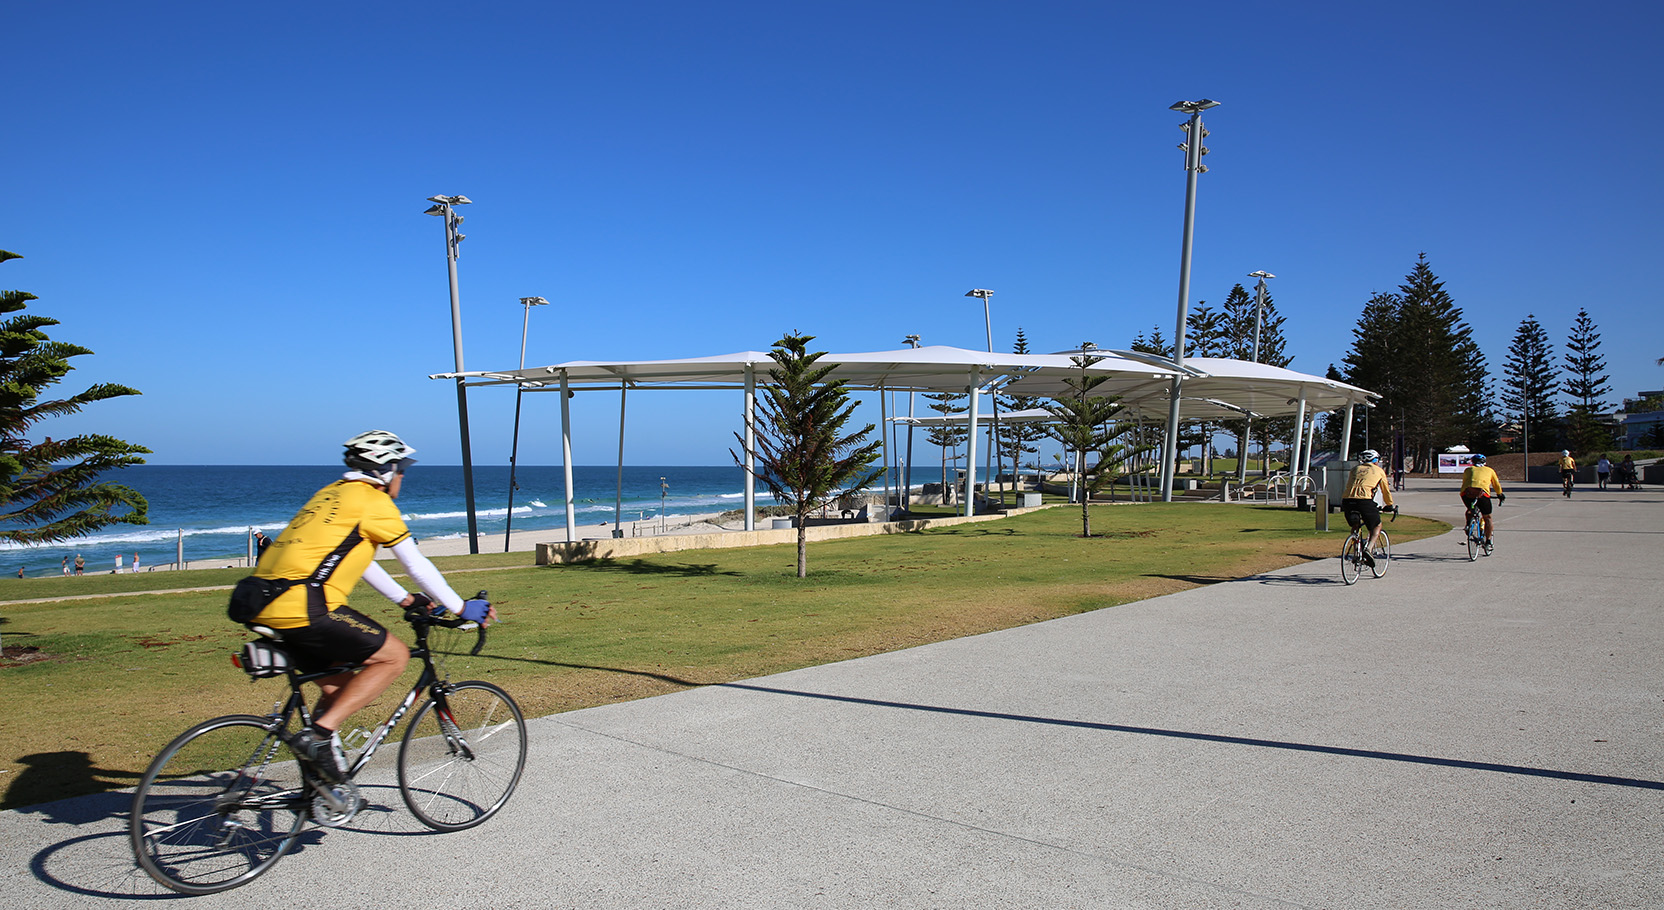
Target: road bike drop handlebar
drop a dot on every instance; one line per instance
(420, 620)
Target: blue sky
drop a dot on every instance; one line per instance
(224, 201)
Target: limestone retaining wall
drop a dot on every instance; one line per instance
(622, 547)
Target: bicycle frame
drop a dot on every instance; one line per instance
(429, 681)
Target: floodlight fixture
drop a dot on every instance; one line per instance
(984, 293)
(1262, 274)
(1193, 107)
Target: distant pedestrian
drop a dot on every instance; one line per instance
(261, 542)
(19, 571)
(66, 565)
(80, 563)
(1603, 470)
(135, 563)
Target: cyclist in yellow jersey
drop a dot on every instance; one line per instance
(324, 551)
(1358, 502)
(1568, 470)
(1477, 483)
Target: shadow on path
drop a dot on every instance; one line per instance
(1463, 764)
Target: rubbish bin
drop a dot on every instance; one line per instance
(1031, 500)
(1321, 507)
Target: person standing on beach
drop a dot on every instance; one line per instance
(261, 542)
(66, 565)
(80, 564)
(324, 551)
(135, 563)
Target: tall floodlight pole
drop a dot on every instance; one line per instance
(519, 391)
(911, 341)
(1248, 424)
(444, 207)
(994, 459)
(1193, 166)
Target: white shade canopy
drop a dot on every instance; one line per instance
(1214, 388)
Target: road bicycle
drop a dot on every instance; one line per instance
(1352, 562)
(1566, 483)
(225, 801)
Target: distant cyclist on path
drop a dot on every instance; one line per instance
(1568, 470)
(1358, 503)
(1477, 483)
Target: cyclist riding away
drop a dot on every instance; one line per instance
(1568, 469)
(1477, 483)
(1358, 503)
(324, 551)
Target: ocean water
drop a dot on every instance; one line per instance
(212, 509)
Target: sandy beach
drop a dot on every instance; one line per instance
(527, 541)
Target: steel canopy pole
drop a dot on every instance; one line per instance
(566, 455)
(750, 447)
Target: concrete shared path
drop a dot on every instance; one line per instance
(1454, 735)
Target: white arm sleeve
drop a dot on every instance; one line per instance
(384, 583)
(426, 575)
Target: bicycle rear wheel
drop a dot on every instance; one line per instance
(1473, 539)
(218, 806)
(1383, 555)
(462, 755)
(1351, 560)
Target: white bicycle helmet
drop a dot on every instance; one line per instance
(1565, 454)
(378, 454)
(1369, 456)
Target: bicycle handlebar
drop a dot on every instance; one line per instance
(420, 619)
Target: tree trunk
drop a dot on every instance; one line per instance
(803, 545)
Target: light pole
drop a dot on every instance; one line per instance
(993, 459)
(1248, 424)
(1193, 166)
(519, 391)
(911, 341)
(444, 206)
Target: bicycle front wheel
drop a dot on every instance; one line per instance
(1383, 555)
(1473, 540)
(462, 755)
(218, 806)
(1351, 560)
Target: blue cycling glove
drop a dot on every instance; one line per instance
(476, 610)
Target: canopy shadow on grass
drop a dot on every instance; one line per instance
(643, 567)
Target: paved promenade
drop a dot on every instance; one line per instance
(1454, 735)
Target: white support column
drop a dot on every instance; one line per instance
(750, 447)
(618, 503)
(1294, 452)
(970, 445)
(1346, 435)
(1311, 440)
(884, 432)
(566, 456)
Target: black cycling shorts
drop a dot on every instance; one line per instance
(341, 636)
(1477, 501)
(1361, 511)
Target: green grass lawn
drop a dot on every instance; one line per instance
(124, 673)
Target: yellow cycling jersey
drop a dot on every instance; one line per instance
(1568, 463)
(342, 523)
(1364, 481)
(1481, 477)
